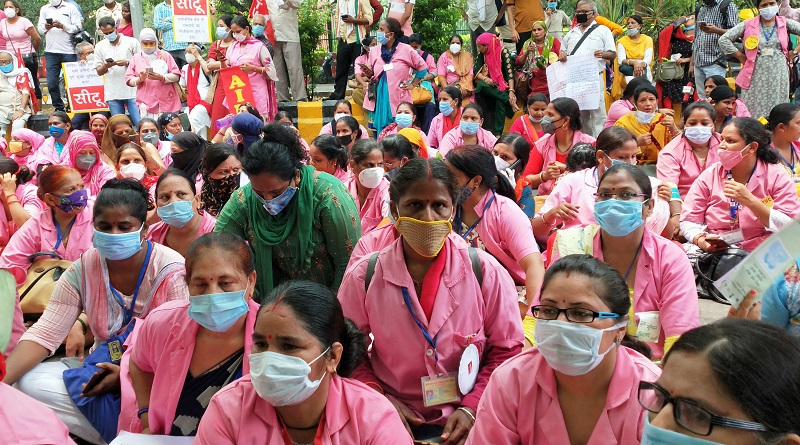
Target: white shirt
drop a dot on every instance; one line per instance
(126, 47)
(283, 15)
(202, 80)
(115, 13)
(481, 13)
(600, 39)
(58, 40)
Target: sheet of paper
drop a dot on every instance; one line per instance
(763, 266)
(557, 80)
(126, 438)
(577, 78)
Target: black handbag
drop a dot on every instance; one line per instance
(711, 266)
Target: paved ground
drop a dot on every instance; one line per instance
(711, 311)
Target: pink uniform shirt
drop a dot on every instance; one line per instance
(442, 65)
(454, 138)
(157, 233)
(435, 135)
(617, 110)
(706, 203)
(25, 421)
(463, 313)
(354, 414)
(403, 61)
(520, 405)
(375, 207)
(157, 96)
(164, 347)
(328, 129)
(678, 164)
(546, 146)
(374, 241)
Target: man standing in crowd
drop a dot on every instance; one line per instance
(112, 55)
(287, 51)
(590, 38)
(524, 13)
(713, 19)
(259, 32)
(58, 21)
(111, 9)
(162, 22)
(355, 16)
(481, 16)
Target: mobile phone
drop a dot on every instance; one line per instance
(135, 139)
(97, 377)
(49, 21)
(718, 242)
(110, 60)
(345, 16)
(702, 23)
(185, 121)
(515, 163)
(149, 70)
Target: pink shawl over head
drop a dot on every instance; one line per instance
(493, 58)
(99, 173)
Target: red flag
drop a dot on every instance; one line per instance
(236, 85)
(260, 7)
(25, 83)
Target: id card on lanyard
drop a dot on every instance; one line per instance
(128, 311)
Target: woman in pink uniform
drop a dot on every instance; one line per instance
(403, 12)
(155, 75)
(405, 117)
(656, 269)
(449, 115)
(297, 391)
(469, 131)
(178, 206)
(199, 345)
(341, 109)
(448, 303)
(53, 150)
(684, 158)
(249, 54)
(742, 199)
(329, 156)
(562, 123)
(784, 123)
(64, 228)
(367, 183)
(489, 218)
(23, 146)
(84, 156)
(580, 385)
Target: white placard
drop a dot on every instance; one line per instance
(191, 21)
(126, 438)
(577, 78)
(77, 74)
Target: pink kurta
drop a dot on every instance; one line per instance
(617, 110)
(164, 346)
(454, 138)
(27, 194)
(48, 155)
(706, 203)
(25, 421)
(441, 68)
(404, 61)
(342, 175)
(463, 313)
(521, 406)
(374, 241)
(547, 148)
(251, 51)
(506, 232)
(435, 134)
(157, 233)
(662, 273)
(157, 96)
(354, 414)
(678, 164)
(39, 234)
(375, 207)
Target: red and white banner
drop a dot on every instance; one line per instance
(85, 88)
(260, 7)
(237, 88)
(191, 21)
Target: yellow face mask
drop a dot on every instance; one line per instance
(15, 147)
(425, 237)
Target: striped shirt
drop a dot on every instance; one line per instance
(162, 21)
(706, 48)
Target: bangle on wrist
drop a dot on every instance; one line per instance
(674, 214)
(83, 325)
(142, 411)
(547, 223)
(468, 412)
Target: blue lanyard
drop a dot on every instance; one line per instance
(129, 311)
(633, 261)
(431, 340)
(475, 224)
(767, 37)
(734, 206)
(59, 237)
(790, 164)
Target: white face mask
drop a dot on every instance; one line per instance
(135, 171)
(55, 3)
(455, 48)
(500, 164)
(338, 116)
(371, 177)
(644, 118)
(282, 380)
(190, 58)
(10, 12)
(698, 134)
(239, 37)
(571, 348)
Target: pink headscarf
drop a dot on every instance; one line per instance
(493, 58)
(99, 173)
(35, 139)
(98, 137)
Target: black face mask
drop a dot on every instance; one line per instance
(346, 140)
(582, 18)
(709, 2)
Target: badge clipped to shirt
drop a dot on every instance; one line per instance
(439, 390)
(388, 67)
(768, 201)
(451, 68)
(732, 237)
(649, 328)
(751, 42)
(115, 350)
(768, 52)
(468, 369)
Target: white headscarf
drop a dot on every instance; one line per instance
(147, 34)
(18, 69)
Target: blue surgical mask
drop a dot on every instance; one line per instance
(445, 108)
(170, 136)
(218, 312)
(403, 120)
(392, 173)
(653, 435)
(534, 120)
(614, 161)
(112, 37)
(118, 246)
(381, 38)
(85, 162)
(258, 30)
(618, 218)
(469, 128)
(633, 31)
(552, 5)
(688, 28)
(7, 68)
(56, 132)
(644, 118)
(222, 32)
(176, 214)
(464, 194)
(276, 205)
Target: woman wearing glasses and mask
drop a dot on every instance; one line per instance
(450, 306)
(655, 269)
(749, 395)
(579, 385)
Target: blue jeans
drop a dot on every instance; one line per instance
(53, 63)
(701, 73)
(118, 107)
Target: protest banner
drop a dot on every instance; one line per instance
(85, 88)
(191, 21)
(576, 78)
(237, 88)
(260, 7)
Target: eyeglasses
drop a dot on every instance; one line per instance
(584, 12)
(689, 414)
(623, 196)
(574, 314)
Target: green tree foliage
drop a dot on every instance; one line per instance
(436, 20)
(313, 20)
